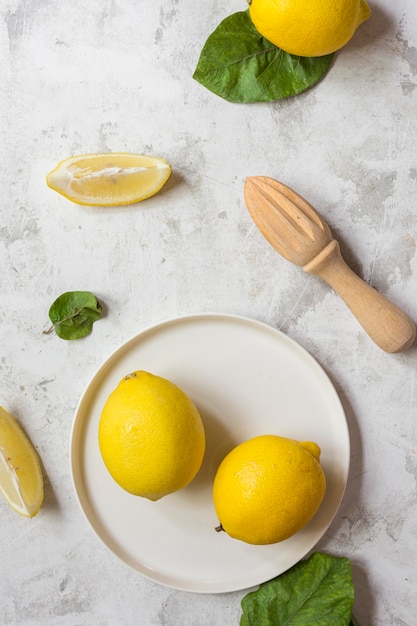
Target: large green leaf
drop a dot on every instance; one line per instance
(240, 65)
(316, 591)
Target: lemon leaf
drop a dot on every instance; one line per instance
(73, 314)
(239, 65)
(318, 590)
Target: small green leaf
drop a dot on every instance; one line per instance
(73, 314)
(239, 65)
(316, 591)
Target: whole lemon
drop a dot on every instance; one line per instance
(268, 488)
(151, 436)
(308, 29)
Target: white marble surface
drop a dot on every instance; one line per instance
(116, 75)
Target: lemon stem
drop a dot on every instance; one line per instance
(219, 528)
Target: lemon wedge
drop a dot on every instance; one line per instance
(21, 479)
(109, 179)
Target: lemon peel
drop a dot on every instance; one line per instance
(268, 488)
(308, 29)
(151, 436)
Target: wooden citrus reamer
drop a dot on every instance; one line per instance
(298, 232)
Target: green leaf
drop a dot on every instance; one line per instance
(73, 314)
(316, 591)
(240, 65)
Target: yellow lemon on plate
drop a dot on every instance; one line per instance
(308, 28)
(21, 479)
(268, 488)
(151, 436)
(109, 179)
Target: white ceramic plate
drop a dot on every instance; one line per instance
(246, 379)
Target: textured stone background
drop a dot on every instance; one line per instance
(116, 75)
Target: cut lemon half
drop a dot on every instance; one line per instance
(21, 479)
(110, 179)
